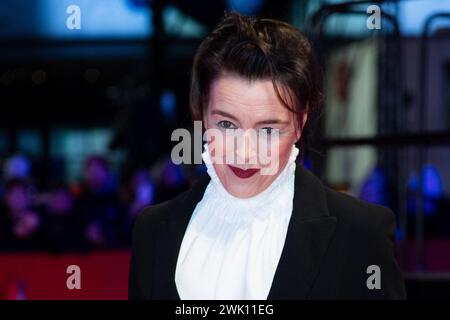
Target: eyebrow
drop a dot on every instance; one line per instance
(225, 114)
(268, 121)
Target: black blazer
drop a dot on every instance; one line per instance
(331, 240)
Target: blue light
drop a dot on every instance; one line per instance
(432, 190)
(168, 103)
(374, 187)
(432, 185)
(414, 13)
(99, 19)
(245, 6)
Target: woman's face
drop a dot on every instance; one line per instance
(250, 124)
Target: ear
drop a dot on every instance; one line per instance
(302, 123)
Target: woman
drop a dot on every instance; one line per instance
(240, 233)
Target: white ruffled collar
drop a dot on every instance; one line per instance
(275, 192)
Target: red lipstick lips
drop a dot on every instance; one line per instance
(243, 174)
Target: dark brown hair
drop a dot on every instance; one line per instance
(257, 49)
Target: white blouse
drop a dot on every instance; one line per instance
(232, 246)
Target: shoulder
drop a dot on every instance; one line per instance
(365, 234)
(153, 215)
(363, 248)
(365, 238)
(359, 215)
(178, 208)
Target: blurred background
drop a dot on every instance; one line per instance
(87, 111)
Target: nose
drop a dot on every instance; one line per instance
(246, 149)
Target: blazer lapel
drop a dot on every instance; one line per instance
(309, 233)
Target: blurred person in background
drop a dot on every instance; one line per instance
(17, 166)
(142, 192)
(20, 224)
(137, 193)
(374, 188)
(172, 181)
(99, 207)
(62, 227)
(435, 206)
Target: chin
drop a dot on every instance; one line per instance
(243, 188)
(242, 194)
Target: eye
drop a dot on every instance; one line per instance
(267, 130)
(225, 124)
